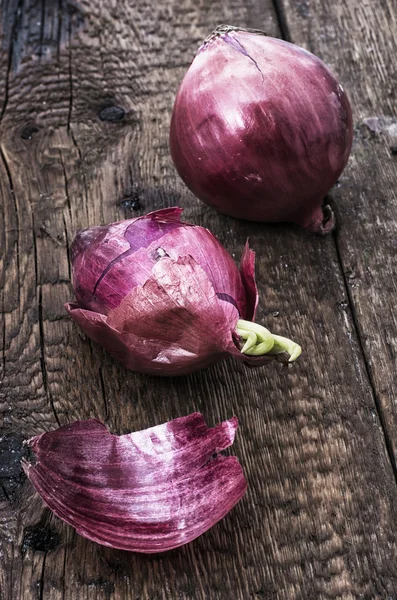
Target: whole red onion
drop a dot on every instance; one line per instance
(261, 129)
(164, 297)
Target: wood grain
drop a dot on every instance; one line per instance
(319, 518)
(358, 41)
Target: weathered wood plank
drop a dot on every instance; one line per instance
(358, 40)
(318, 520)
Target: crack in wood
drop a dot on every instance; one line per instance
(281, 20)
(42, 356)
(64, 573)
(69, 127)
(59, 31)
(42, 21)
(70, 72)
(13, 34)
(12, 192)
(70, 215)
(82, 173)
(36, 267)
(41, 580)
(44, 229)
(67, 248)
(4, 335)
(66, 186)
(104, 393)
(368, 370)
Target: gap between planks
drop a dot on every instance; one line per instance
(282, 23)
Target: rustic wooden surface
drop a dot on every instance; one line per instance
(317, 442)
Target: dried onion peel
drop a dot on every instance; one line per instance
(147, 491)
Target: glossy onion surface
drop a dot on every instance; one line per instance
(147, 491)
(261, 129)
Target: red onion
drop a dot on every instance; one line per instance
(146, 491)
(261, 129)
(164, 297)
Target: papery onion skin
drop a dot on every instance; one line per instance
(162, 296)
(261, 129)
(109, 261)
(147, 491)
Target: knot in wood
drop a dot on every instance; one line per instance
(112, 114)
(28, 131)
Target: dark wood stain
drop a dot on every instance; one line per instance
(112, 114)
(317, 441)
(40, 538)
(12, 476)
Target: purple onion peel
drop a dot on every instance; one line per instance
(147, 491)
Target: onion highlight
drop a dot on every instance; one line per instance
(261, 129)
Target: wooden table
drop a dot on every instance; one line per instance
(86, 94)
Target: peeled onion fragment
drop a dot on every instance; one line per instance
(147, 491)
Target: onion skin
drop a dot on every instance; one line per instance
(261, 129)
(110, 261)
(162, 296)
(147, 491)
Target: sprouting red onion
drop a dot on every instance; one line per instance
(147, 491)
(261, 129)
(164, 297)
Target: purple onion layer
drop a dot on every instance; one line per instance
(147, 491)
